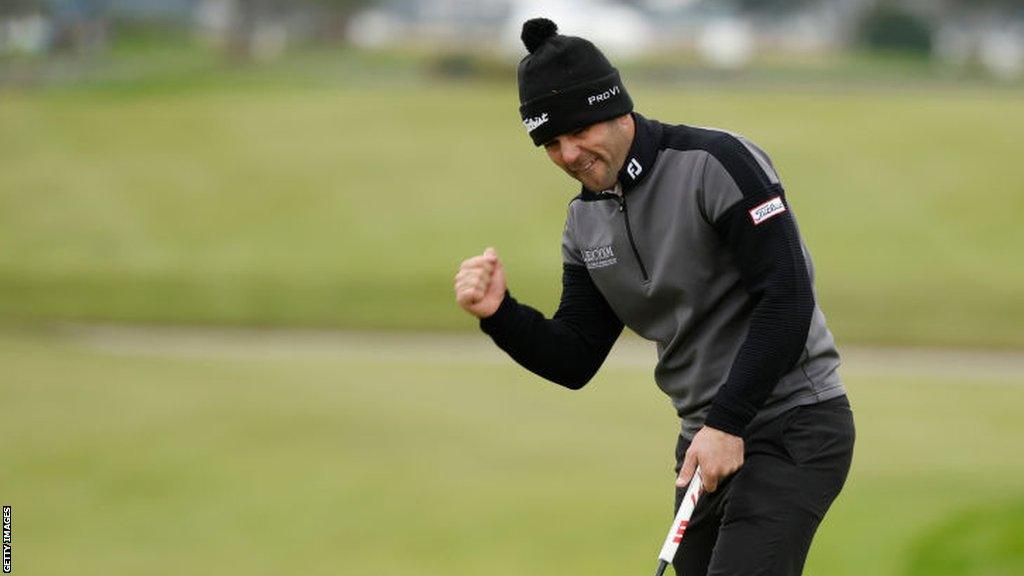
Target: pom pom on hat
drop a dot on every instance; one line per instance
(536, 31)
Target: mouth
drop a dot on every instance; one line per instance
(587, 167)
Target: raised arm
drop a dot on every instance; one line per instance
(566, 349)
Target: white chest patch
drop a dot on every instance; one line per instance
(769, 209)
(599, 257)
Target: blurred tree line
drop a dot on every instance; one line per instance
(247, 30)
(239, 27)
(246, 17)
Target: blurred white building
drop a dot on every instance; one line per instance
(721, 35)
(619, 28)
(995, 45)
(25, 34)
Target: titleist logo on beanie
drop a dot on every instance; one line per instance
(565, 83)
(535, 122)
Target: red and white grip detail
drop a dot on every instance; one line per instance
(682, 520)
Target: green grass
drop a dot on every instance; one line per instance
(270, 455)
(242, 199)
(988, 541)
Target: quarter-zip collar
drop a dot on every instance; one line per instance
(643, 152)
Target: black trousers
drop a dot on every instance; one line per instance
(762, 519)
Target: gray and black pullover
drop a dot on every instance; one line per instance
(700, 253)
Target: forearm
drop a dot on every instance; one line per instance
(774, 343)
(567, 349)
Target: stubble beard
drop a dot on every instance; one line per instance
(593, 175)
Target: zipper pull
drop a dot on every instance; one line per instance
(622, 204)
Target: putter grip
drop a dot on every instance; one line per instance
(682, 519)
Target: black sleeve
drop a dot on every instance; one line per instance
(570, 347)
(760, 232)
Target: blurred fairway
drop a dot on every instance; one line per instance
(148, 452)
(231, 201)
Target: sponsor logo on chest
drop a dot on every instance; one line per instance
(599, 257)
(768, 210)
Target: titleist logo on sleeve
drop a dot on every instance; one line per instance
(768, 210)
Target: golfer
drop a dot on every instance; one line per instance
(686, 236)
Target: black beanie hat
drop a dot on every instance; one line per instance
(565, 83)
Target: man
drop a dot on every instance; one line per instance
(685, 235)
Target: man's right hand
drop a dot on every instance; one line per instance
(480, 284)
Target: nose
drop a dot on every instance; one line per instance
(570, 151)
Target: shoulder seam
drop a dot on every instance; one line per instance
(725, 147)
(703, 171)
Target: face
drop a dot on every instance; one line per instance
(595, 154)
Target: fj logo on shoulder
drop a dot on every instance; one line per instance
(768, 210)
(634, 168)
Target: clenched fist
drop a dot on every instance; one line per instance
(480, 284)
